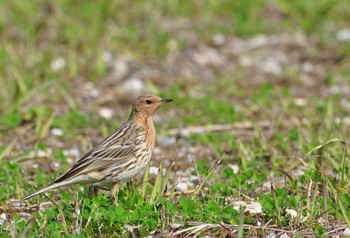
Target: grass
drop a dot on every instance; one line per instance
(291, 156)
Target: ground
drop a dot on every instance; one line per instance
(255, 142)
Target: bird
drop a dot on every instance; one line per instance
(119, 157)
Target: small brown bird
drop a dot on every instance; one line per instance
(120, 156)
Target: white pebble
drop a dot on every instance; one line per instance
(166, 140)
(252, 208)
(57, 132)
(133, 85)
(307, 67)
(234, 167)
(300, 101)
(55, 164)
(272, 66)
(72, 152)
(271, 235)
(40, 153)
(292, 213)
(181, 186)
(343, 35)
(284, 235)
(172, 45)
(58, 64)
(154, 170)
(347, 232)
(106, 113)
(219, 39)
(3, 218)
(107, 57)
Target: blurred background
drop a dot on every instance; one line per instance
(255, 83)
(73, 68)
(70, 70)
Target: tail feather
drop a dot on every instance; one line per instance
(47, 188)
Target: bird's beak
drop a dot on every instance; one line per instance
(166, 100)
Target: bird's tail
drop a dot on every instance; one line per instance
(47, 188)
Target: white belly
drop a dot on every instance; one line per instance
(131, 170)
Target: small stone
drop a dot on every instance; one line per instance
(3, 218)
(91, 90)
(300, 101)
(172, 45)
(271, 235)
(272, 66)
(292, 213)
(55, 164)
(343, 35)
(257, 41)
(347, 232)
(321, 221)
(234, 167)
(40, 153)
(219, 39)
(208, 56)
(133, 85)
(72, 152)
(252, 208)
(284, 235)
(166, 141)
(181, 186)
(194, 178)
(58, 64)
(107, 57)
(307, 67)
(239, 204)
(57, 132)
(154, 170)
(106, 113)
(121, 68)
(245, 61)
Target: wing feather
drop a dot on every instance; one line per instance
(116, 148)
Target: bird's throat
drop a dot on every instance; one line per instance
(149, 131)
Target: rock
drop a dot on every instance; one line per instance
(271, 235)
(181, 186)
(3, 218)
(219, 39)
(57, 132)
(208, 56)
(346, 232)
(284, 235)
(166, 140)
(343, 34)
(58, 64)
(234, 167)
(292, 213)
(252, 207)
(133, 85)
(106, 113)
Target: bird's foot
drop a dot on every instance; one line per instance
(115, 191)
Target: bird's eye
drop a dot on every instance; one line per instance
(148, 101)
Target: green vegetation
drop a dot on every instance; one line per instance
(261, 113)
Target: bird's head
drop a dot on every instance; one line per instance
(146, 105)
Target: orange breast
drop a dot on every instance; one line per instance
(150, 134)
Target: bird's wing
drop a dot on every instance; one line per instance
(116, 148)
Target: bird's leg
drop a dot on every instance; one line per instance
(130, 185)
(93, 191)
(115, 191)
